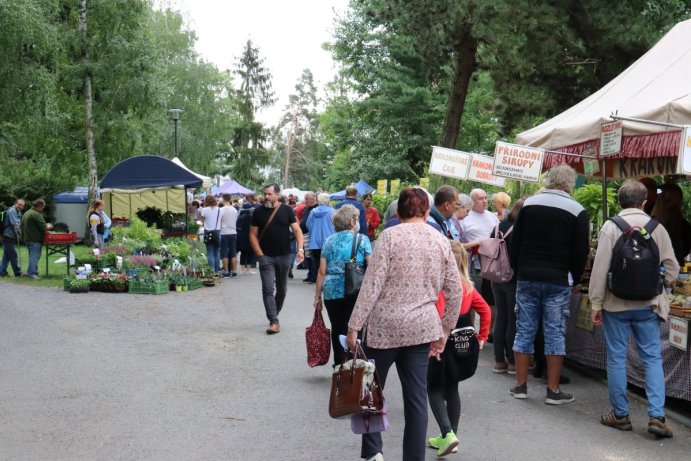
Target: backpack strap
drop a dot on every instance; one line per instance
(650, 227)
(508, 231)
(621, 223)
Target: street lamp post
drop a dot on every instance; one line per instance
(176, 117)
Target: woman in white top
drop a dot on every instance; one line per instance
(211, 219)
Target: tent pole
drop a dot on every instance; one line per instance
(185, 208)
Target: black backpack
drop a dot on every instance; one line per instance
(634, 271)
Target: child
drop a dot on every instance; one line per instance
(443, 377)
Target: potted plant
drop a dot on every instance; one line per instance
(79, 285)
(109, 283)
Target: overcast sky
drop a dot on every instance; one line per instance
(289, 35)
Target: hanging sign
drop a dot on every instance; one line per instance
(685, 153)
(678, 332)
(518, 162)
(481, 171)
(449, 162)
(381, 186)
(590, 166)
(395, 184)
(610, 138)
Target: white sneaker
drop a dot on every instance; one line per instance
(252, 271)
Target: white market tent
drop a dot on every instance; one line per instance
(657, 87)
(206, 181)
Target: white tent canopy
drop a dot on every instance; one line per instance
(206, 180)
(656, 87)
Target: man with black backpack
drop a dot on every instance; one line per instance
(627, 296)
(10, 232)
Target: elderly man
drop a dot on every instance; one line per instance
(549, 244)
(479, 223)
(33, 227)
(351, 199)
(445, 205)
(622, 317)
(10, 237)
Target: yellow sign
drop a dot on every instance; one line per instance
(395, 185)
(424, 183)
(381, 186)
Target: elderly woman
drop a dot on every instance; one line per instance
(465, 204)
(501, 202)
(335, 254)
(211, 219)
(411, 265)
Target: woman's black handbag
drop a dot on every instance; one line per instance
(354, 272)
(213, 237)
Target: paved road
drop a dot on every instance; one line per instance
(192, 376)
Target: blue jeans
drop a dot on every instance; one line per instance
(34, 256)
(273, 271)
(411, 365)
(645, 326)
(546, 302)
(9, 256)
(293, 252)
(213, 252)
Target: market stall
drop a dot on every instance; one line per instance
(646, 109)
(146, 180)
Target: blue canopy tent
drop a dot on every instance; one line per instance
(233, 187)
(146, 180)
(362, 189)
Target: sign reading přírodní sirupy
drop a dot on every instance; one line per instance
(518, 162)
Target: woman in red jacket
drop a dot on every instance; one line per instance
(444, 375)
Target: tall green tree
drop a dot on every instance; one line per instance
(248, 150)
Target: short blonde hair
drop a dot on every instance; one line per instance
(323, 199)
(503, 198)
(462, 261)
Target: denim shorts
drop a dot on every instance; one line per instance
(536, 301)
(228, 248)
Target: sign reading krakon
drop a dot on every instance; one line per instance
(518, 162)
(449, 162)
(481, 171)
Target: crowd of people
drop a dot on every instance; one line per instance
(424, 280)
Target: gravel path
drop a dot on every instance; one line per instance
(193, 376)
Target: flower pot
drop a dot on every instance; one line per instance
(79, 290)
(178, 287)
(185, 288)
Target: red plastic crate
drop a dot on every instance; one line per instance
(60, 238)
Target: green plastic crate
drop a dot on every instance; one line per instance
(193, 285)
(153, 288)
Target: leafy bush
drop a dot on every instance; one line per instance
(590, 196)
(151, 215)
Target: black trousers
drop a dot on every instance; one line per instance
(339, 311)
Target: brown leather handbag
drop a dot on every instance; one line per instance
(350, 393)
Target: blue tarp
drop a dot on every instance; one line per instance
(362, 189)
(147, 172)
(233, 187)
(78, 195)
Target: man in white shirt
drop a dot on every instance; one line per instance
(229, 234)
(479, 223)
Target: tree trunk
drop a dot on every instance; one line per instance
(88, 103)
(289, 149)
(463, 69)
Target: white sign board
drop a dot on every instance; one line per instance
(449, 162)
(678, 332)
(481, 171)
(685, 153)
(610, 138)
(518, 162)
(590, 166)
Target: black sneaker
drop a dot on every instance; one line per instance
(290, 274)
(225, 275)
(519, 392)
(233, 274)
(558, 398)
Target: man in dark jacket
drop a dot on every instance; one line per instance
(33, 227)
(549, 249)
(10, 238)
(351, 199)
(310, 204)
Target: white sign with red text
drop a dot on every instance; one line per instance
(678, 332)
(481, 171)
(610, 138)
(449, 162)
(518, 162)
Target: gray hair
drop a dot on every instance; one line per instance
(310, 196)
(323, 199)
(464, 201)
(561, 177)
(632, 194)
(344, 217)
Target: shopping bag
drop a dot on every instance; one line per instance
(318, 339)
(355, 388)
(366, 423)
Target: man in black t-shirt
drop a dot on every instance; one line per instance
(270, 240)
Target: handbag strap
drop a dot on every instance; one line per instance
(268, 223)
(357, 238)
(218, 221)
